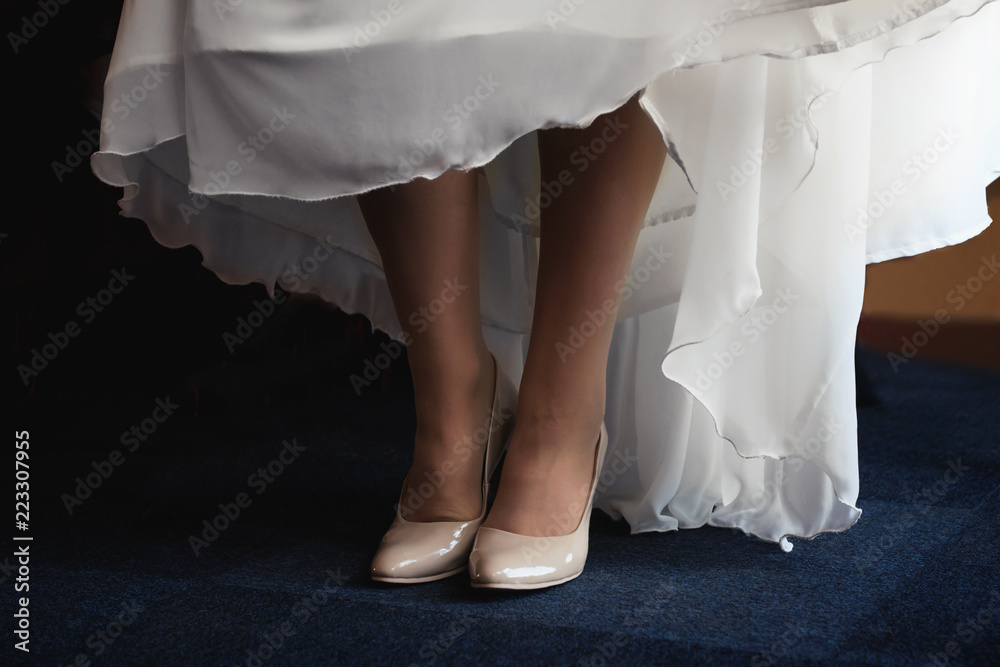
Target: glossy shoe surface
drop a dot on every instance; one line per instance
(413, 552)
(502, 559)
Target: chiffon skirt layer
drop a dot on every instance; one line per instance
(806, 139)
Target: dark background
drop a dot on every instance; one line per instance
(160, 338)
(729, 597)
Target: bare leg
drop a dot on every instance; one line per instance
(427, 233)
(588, 237)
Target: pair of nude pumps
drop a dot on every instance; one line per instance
(414, 552)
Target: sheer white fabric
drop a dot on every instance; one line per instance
(806, 140)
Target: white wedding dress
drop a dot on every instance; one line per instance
(806, 139)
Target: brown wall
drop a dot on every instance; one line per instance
(915, 287)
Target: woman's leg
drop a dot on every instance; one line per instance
(588, 237)
(427, 233)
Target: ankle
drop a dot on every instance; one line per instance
(557, 415)
(563, 395)
(453, 397)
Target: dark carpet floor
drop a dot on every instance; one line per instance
(117, 581)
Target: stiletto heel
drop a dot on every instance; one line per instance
(413, 552)
(500, 559)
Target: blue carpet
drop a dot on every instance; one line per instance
(118, 582)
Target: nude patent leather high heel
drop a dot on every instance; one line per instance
(501, 559)
(413, 552)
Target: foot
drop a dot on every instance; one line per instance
(547, 475)
(445, 482)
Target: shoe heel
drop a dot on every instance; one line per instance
(414, 552)
(501, 559)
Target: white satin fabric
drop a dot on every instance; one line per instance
(806, 140)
